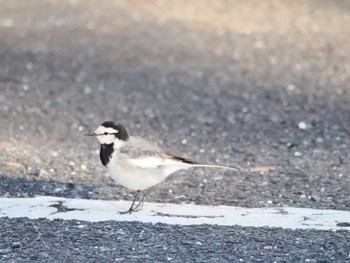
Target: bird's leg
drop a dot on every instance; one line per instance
(140, 204)
(132, 209)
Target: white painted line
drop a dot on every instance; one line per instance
(98, 210)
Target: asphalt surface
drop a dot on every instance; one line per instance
(44, 240)
(261, 85)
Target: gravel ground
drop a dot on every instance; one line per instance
(258, 84)
(48, 241)
(256, 94)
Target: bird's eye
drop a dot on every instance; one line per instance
(106, 133)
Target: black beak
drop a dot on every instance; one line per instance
(90, 134)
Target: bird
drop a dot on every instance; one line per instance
(136, 163)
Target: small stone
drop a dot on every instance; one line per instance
(29, 65)
(315, 198)
(58, 189)
(43, 172)
(16, 244)
(319, 140)
(104, 249)
(25, 87)
(291, 87)
(268, 247)
(87, 90)
(330, 199)
(302, 125)
(43, 255)
(297, 154)
(5, 251)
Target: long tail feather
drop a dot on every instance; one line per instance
(216, 166)
(195, 164)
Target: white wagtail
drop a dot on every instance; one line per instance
(135, 163)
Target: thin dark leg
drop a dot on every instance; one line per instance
(140, 204)
(132, 209)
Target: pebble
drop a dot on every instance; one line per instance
(302, 125)
(16, 244)
(4, 251)
(291, 87)
(43, 255)
(43, 172)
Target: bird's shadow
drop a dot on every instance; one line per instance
(23, 187)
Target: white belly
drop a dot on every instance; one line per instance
(136, 178)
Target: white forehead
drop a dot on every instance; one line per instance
(102, 130)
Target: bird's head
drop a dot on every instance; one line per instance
(110, 132)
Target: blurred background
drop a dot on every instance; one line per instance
(259, 84)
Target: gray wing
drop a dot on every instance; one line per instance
(137, 147)
(144, 154)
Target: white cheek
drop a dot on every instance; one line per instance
(106, 139)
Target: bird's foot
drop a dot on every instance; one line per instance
(134, 208)
(131, 210)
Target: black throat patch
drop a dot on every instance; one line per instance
(106, 153)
